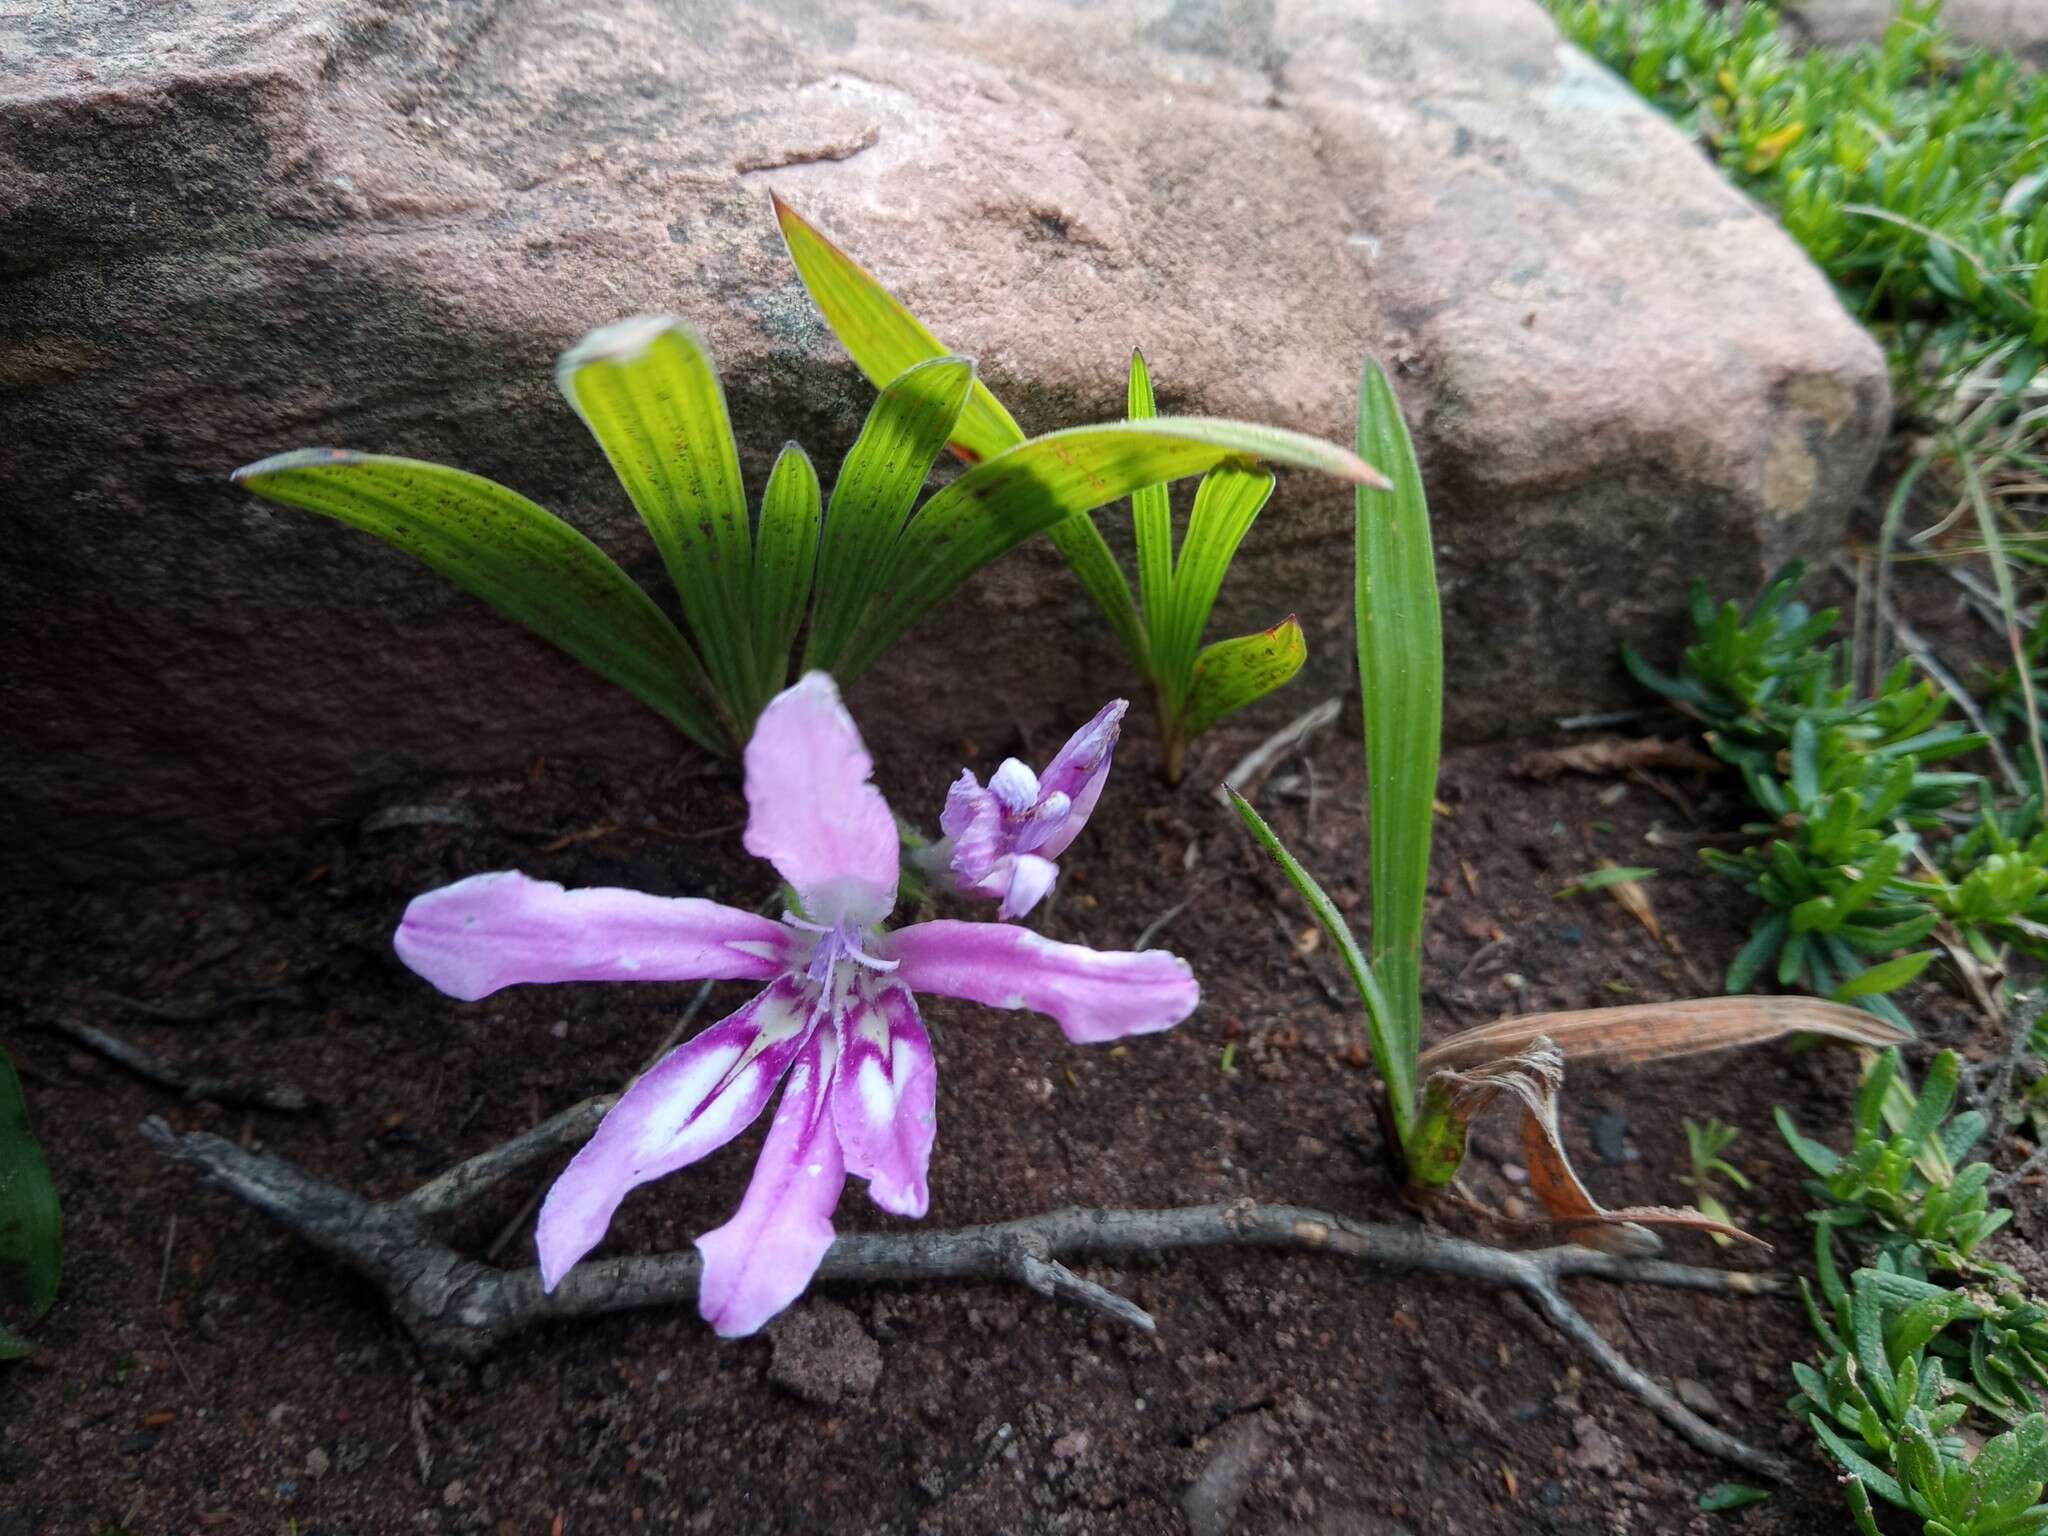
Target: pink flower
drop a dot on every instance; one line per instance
(1002, 840)
(836, 1024)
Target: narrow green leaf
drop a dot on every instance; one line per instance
(12, 1345)
(1233, 673)
(1401, 674)
(881, 336)
(1724, 1497)
(1397, 1067)
(1859, 1466)
(785, 556)
(876, 491)
(997, 505)
(1754, 954)
(31, 1222)
(1227, 502)
(518, 557)
(1082, 545)
(1886, 977)
(1151, 522)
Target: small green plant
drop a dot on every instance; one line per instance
(1705, 1145)
(1928, 1330)
(1845, 780)
(853, 574)
(1898, 1184)
(1192, 685)
(31, 1221)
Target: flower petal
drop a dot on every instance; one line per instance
(811, 811)
(883, 1096)
(1030, 878)
(1079, 769)
(1094, 994)
(491, 931)
(761, 1260)
(974, 822)
(696, 1099)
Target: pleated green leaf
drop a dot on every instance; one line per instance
(998, 504)
(785, 557)
(648, 392)
(518, 557)
(1401, 673)
(881, 336)
(1396, 1066)
(1151, 521)
(1233, 673)
(1226, 503)
(877, 488)
(31, 1221)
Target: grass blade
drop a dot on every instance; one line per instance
(881, 336)
(1233, 673)
(785, 558)
(1401, 674)
(876, 491)
(997, 505)
(1389, 1055)
(31, 1221)
(518, 557)
(648, 392)
(1227, 502)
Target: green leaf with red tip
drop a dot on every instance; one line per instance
(1233, 673)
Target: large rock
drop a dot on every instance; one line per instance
(228, 230)
(2019, 26)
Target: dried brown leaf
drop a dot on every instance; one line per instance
(1639, 1032)
(1614, 754)
(1534, 1077)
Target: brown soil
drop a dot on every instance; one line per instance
(203, 1371)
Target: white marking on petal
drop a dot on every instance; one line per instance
(877, 1093)
(628, 963)
(760, 949)
(666, 1118)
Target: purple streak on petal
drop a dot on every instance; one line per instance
(1094, 994)
(883, 1096)
(696, 1099)
(811, 811)
(1079, 770)
(491, 931)
(974, 820)
(761, 1260)
(1030, 878)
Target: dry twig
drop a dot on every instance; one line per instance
(196, 1089)
(457, 1307)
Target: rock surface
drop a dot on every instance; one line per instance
(823, 1355)
(2018, 25)
(226, 231)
